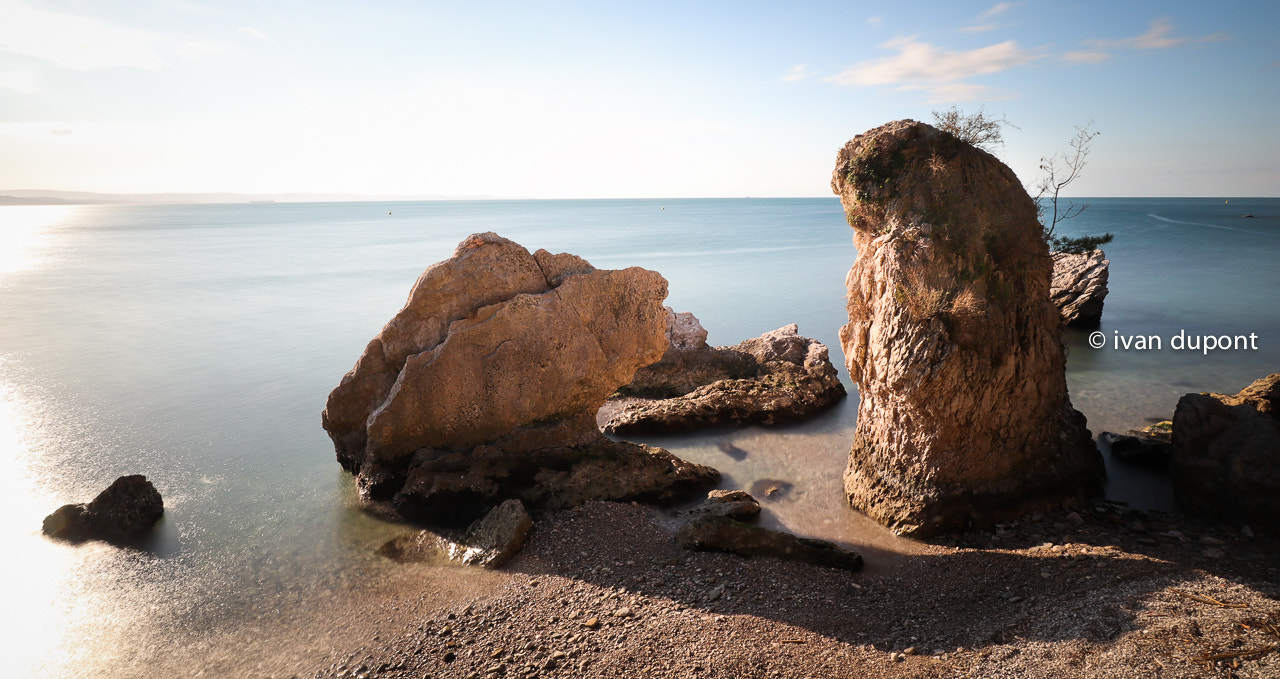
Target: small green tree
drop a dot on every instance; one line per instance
(1057, 172)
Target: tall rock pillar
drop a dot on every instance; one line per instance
(964, 416)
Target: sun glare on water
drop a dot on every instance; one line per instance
(24, 232)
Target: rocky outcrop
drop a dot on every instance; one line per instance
(1226, 453)
(485, 386)
(689, 362)
(776, 378)
(122, 513)
(964, 416)
(720, 524)
(1079, 287)
(489, 542)
(1148, 447)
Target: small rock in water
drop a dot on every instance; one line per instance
(732, 450)
(771, 489)
(125, 511)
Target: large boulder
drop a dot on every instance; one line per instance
(777, 378)
(122, 513)
(1079, 286)
(485, 386)
(1226, 453)
(963, 417)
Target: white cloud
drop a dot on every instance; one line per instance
(1159, 35)
(875, 21)
(923, 66)
(22, 82)
(798, 72)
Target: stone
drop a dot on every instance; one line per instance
(688, 362)
(772, 490)
(121, 514)
(1148, 447)
(485, 386)
(725, 534)
(489, 542)
(1226, 453)
(964, 417)
(777, 378)
(1079, 287)
(735, 504)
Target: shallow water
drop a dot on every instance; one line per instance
(196, 344)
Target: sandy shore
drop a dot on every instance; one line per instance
(602, 591)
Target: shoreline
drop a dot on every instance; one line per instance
(603, 591)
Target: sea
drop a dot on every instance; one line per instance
(196, 344)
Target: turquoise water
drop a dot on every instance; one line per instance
(196, 344)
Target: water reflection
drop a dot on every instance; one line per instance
(24, 233)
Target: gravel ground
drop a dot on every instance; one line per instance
(602, 591)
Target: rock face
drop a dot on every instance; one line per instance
(964, 416)
(485, 387)
(489, 542)
(776, 378)
(1226, 453)
(719, 524)
(1079, 287)
(124, 512)
(688, 362)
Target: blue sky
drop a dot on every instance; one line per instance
(587, 100)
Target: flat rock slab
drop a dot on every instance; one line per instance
(785, 378)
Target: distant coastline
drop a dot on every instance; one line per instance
(51, 197)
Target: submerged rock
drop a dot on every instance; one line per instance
(489, 542)
(716, 525)
(1079, 287)
(485, 385)
(776, 378)
(124, 512)
(1148, 447)
(963, 416)
(1226, 453)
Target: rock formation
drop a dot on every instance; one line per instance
(1226, 453)
(963, 416)
(124, 512)
(489, 542)
(485, 386)
(776, 378)
(1079, 287)
(720, 524)
(1148, 447)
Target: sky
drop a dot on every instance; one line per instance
(620, 100)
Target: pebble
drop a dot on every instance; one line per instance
(1075, 518)
(1211, 541)
(592, 623)
(1247, 532)
(1213, 553)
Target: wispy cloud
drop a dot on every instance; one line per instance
(941, 72)
(22, 82)
(84, 43)
(875, 21)
(1085, 57)
(253, 32)
(1159, 35)
(984, 22)
(798, 72)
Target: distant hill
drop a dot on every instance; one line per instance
(49, 197)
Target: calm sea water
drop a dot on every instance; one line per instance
(196, 344)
